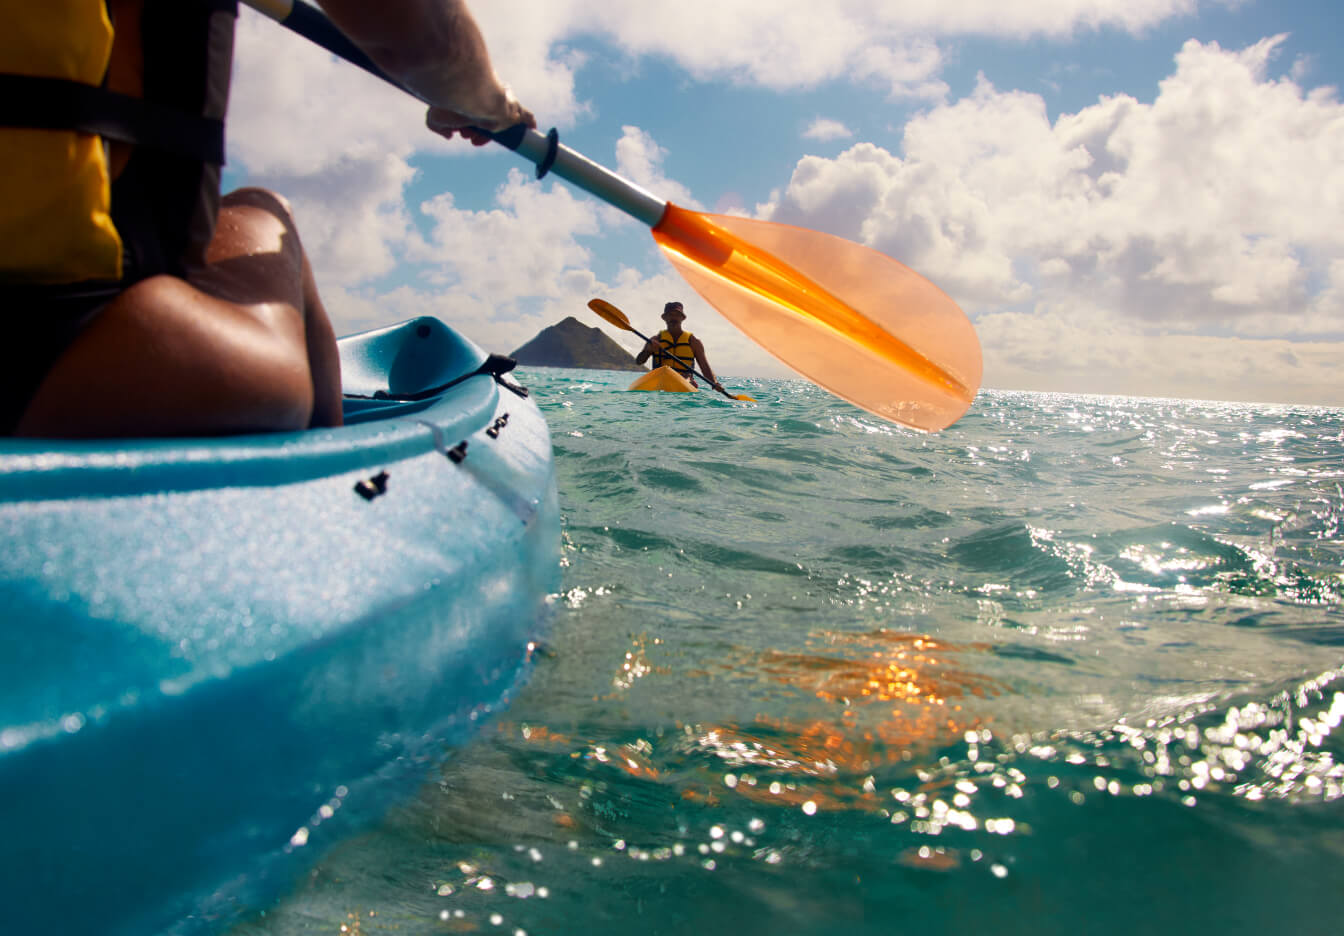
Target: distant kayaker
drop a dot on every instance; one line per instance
(678, 349)
(138, 301)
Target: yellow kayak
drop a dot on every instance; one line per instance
(663, 378)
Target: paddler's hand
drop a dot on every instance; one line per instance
(434, 48)
(446, 123)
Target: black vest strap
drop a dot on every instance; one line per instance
(60, 104)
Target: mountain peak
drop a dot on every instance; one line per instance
(570, 343)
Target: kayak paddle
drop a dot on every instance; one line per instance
(851, 319)
(616, 317)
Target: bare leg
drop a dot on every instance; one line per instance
(242, 345)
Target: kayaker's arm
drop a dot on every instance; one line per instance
(650, 347)
(698, 347)
(435, 49)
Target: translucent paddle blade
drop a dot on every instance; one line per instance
(609, 312)
(853, 320)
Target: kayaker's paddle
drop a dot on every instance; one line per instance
(853, 320)
(618, 318)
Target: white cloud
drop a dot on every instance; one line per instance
(352, 219)
(334, 140)
(1056, 18)
(906, 67)
(1212, 212)
(528, 246)
(640, 159)
(296, 110)
(337, 143)
(1303, 66)
(784, 43)
(502, 275)
(285, 87)
(1061, 352)
(825, 129)
(515, 269)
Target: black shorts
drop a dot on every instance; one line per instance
(42, 321)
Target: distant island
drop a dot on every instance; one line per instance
(574, 344)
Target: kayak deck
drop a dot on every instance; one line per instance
(219, 655)
(663, 378)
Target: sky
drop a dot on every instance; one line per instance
(1136, 197)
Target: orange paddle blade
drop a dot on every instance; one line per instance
(851, 319)
(612, 314)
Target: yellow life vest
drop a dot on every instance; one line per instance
(56, 211)
(676, 352)
(55, 203)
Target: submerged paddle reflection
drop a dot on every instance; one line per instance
(885, 699)
(900, 698)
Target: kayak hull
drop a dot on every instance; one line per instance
(218, 656)
(665, 379)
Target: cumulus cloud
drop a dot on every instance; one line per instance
(334, 140)
(296, 110)
(353, 218)
(1211, 212)
(640, 159)
(1061, 352)
(787, 43)
(285, 88)
(524, 247)
(1056, 19)
(521, 266)
(770, 43)
(339, 145)
(825, 129)
(501, 275)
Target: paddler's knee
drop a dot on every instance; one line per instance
(259, 197)
(252, 222)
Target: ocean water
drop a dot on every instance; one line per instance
(1075, 665)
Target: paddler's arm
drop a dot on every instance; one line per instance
(650, 347)
(698, 347)
(435, 49)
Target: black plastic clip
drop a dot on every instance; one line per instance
(497, 365)
(500, 423)
(518, 389)
(372, 487)
(457, 452)
(552, 147)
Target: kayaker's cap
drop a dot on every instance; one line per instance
(673, 310)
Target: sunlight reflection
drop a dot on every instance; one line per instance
(898, 696)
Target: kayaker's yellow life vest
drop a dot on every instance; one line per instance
(56, 213)
(676, 352)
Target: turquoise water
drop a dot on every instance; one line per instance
(1073, 665)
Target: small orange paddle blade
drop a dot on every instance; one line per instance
(609, 312)
(851, 319)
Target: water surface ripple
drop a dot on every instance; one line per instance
(1075, 665)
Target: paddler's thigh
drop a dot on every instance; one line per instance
(243, 345)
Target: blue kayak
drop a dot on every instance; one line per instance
(217, 656)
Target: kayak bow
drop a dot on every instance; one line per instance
(665, 379)
(219, 655)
